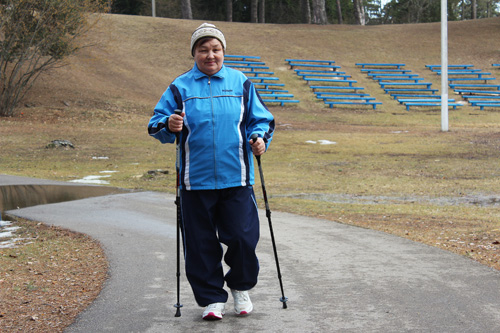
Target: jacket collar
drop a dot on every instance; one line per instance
(199, 74)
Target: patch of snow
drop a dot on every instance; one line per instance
(92, 180)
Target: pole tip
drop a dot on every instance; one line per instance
(178, 312)
(284, 300)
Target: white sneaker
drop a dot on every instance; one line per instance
(214, 311)
(242, 303)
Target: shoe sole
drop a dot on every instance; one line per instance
(243, 313)
(212, 316)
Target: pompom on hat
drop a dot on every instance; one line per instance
(207, 30)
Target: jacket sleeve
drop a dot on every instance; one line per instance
(158, 124)
(260, 120)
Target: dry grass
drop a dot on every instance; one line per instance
(393, 170)
(48, 278)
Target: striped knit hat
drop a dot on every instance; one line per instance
(207, 30)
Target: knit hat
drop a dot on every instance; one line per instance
(207, 30)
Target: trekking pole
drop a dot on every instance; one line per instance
(178, 305)
(283, 299)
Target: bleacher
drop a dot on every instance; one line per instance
(408, 88)
(268, 86)
(482, 95)
(330, 85)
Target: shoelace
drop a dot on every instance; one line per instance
(212, 307)
(241, 297)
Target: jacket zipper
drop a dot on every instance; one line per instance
(213, 131)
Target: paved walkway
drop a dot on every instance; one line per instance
(338, 278)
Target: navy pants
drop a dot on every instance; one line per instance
(211, 217)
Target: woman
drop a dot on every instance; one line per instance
(221, 109)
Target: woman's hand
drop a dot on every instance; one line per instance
(175, 122)
(258, 146)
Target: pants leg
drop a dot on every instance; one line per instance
(203, 251)
(211, 217)
(238, 227)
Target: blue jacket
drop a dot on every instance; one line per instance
(222, 112)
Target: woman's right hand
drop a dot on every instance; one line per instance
(175, 122)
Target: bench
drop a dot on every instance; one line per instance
(432, 67)
(260, 79)
(275, 95)
(329, 62)
(475, 102)
(260, 91)
(323, 75)
(336, 88)
(389, 90)
(372, 104)
(281, 101)
(375, 70)
(478, 73)
(483, 105)
(300, 71)
(472, 91)
(464, 85)
(251, 68)
(481, 96)
(405, 84)
(242, 57)
(364, 64)
(396, 96)
(268, 84)
(389, 75)
(422, 100)
(347, 98)
(296, 64)
(414, 79)
(319, 94)
(485, 79)
(243, 62)
(309, 80)
(257, 73)
(454, 105)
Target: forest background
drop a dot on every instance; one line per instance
(361, 12)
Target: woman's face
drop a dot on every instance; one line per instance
(209, 56)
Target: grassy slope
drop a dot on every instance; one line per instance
(103, 98)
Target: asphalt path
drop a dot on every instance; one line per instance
(338, 278)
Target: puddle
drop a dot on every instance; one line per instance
(27, 195)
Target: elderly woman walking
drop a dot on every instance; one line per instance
(221, 110)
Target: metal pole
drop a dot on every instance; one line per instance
(444, 66)
(153, 8)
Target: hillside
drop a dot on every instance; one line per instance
(133, 59)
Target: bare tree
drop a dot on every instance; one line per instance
(339, 11)
(262, 11)
(253, 11)
(359, 12)
(305, 7)
(319, 12)
(229, 10)
(35, 36)
(186, 11)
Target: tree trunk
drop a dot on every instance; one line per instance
(339, 11)
(229, 10)
(474, 9)
(262, 11)
(186, 9)
(305, 7)
(253, 11)
(359, 12)
(319, 12)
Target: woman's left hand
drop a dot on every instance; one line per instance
(258, 147)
